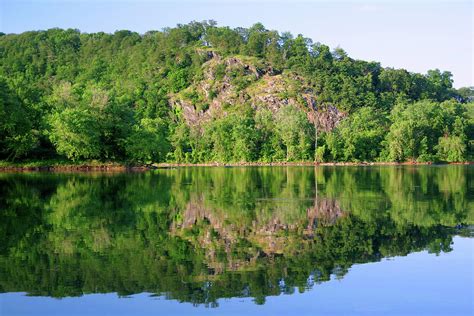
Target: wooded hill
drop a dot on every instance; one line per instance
(202, 93)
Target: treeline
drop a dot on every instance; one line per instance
(111, 97)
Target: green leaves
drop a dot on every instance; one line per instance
(293, 127)
(233, 137)
(92, 96)
(75, 133)
(417, 129)
(451, 149)
(178, 79)
(148, 141)
(86, 124)
(17, 136)
(359, 137)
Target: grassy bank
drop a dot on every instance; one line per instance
(95, 165)
(64, 165)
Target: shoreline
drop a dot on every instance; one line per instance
(117, 167)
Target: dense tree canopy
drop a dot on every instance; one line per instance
(200, 93)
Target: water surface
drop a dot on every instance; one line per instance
(259, 240)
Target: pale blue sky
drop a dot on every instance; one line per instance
(417, 35)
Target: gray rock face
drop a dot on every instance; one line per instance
(233, 81)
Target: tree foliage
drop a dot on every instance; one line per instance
(17, 136)
(417, 128)
(358, 138)
(84, 96)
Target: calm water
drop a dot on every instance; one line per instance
(269, 240)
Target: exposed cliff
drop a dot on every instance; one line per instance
(237, 80)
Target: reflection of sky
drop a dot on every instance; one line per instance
(417, 35)
(418, 284)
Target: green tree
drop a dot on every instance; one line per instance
(451, 149)
(270, 145)
(17, 138)
(224, 39)
(358, 138)
(148, 141)
(257, 40)
(234, 136)
(296, 132)
(416, 129)
(75, 133)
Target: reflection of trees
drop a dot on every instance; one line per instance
(421, 195)
(198, 235)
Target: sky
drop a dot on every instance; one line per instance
(416, 35)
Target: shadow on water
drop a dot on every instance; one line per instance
(200, 234)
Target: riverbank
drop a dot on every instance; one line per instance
(61, 165)
(57, 165)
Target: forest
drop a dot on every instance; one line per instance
(202, 93)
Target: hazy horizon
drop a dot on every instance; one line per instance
(417, 35)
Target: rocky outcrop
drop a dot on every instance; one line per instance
(237, 80)
(327, 117)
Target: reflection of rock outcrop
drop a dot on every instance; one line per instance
(272, 236)
(196, 212)
(324, 212)
(215, 236)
